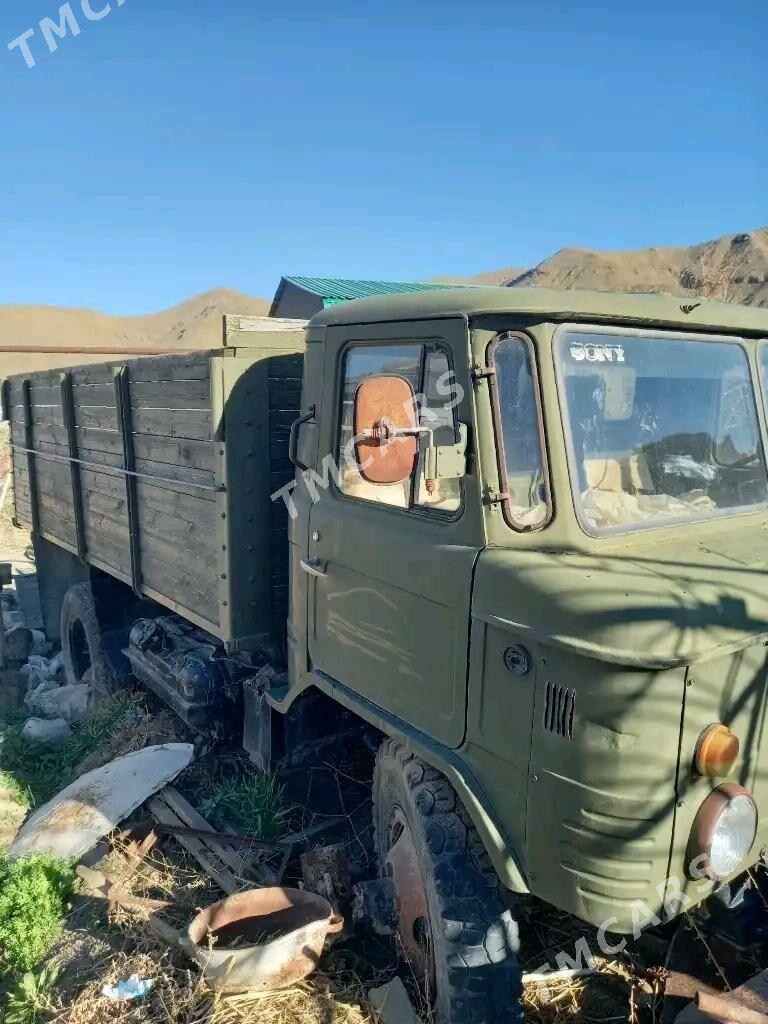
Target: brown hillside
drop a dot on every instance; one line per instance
(195, 323)
(493, 278)
(733, 268)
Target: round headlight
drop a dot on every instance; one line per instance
(724, 831)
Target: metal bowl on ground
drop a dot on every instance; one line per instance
(262, 939)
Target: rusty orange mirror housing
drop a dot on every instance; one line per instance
(384, 406)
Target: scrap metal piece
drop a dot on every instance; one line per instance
(257, 721)
(375, 906)
(93, 806)
(727, 1008)
(261, 940)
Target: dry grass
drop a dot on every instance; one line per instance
(180, 996)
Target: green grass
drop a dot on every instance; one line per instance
(16, 790)
(41, 772)
(245, 801)
(28, 998)
(33, 898)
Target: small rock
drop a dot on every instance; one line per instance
(36, 684)
(18, 645)
(44, 731)
(57, 670)
(392, 1004)
(72, 703)
(40, 645)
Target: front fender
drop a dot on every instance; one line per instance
(450, 762)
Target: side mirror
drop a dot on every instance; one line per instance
(386, 429)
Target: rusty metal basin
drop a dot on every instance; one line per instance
(262, 939)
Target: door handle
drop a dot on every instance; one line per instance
(314, 567)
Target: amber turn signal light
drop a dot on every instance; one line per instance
(716, 752)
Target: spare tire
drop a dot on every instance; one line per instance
(81, 643)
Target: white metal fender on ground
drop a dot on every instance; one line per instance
(74, 821)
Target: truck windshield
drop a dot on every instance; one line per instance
(660, 429)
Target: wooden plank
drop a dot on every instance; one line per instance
(97, 417)
(218, 871)
(106, 505)
(175, 452)
(87, 455)
(188, 366)
(57, 506)
(102, 395)
(103, 483)
(24, 513)
(43, 415)
(194, 508)
(48, 394)
(193, 424)
(183, 477)
(234, 325)
(191, 535)
(176, 585)
(180, 474)
(108, 483)
(108, 527)
(197, 565)
(189, 816)
(174, 394)
(56, 525)
(108, 553)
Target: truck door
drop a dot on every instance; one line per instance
(391, 564)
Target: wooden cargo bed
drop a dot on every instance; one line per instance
(159, 471)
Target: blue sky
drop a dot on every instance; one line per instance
(170, 147)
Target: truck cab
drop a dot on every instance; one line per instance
(571, 625)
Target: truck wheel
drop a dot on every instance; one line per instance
(456, 929)
(81, 643)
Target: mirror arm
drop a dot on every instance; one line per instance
(390, 432)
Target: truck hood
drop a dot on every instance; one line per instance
(674, 600)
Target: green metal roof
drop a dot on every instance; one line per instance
(333, 290)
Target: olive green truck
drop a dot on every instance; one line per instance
(517, 537)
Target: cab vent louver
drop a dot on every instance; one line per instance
(559, 710)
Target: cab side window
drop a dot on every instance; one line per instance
(426, 368)
(519, 436)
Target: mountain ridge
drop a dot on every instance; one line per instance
(731, 268)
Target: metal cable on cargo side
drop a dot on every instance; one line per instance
(99, 467)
